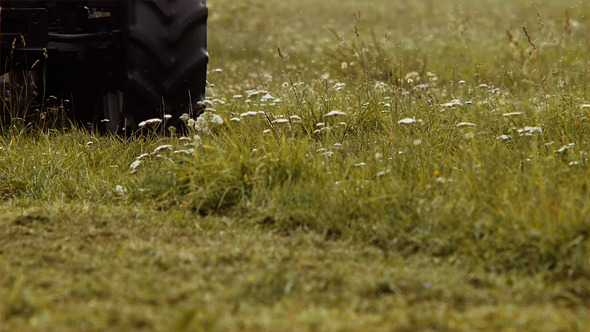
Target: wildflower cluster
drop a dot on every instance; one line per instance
(202, 126)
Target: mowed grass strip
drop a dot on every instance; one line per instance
(93, 267)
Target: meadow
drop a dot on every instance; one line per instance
(384, 165)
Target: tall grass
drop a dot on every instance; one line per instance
(506, 188)
(485, 159)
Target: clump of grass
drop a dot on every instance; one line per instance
(66, 165)
(456, 178)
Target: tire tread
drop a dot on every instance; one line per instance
(166, 57)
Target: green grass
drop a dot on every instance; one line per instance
(472, 216)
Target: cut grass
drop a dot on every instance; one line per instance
(432, 179)
(121, 268)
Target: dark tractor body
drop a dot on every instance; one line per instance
(118, 62)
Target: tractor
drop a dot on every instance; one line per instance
(116, 62)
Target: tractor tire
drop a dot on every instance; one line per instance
(165, 60)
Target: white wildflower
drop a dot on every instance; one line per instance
(89, 144)
(206, 103)
(462, 82)
(184, 117)
(529, 131)
(267, 97)
(465, 124)
(150, 122)
(280, 121)
(295, 117)
(184, 139)
(411, 76)
(238, 97)
(483, 86)
(334, 113)
(185, 152)
(235, 119)
(251, 113)
(360, 165)
(143, 156)
(585, 106)
(167, 116)
(317, 131)
(201, 124)
(565, 148)
(381, 86)
(503, 137)
(452, 103)
(320, 124)
(256, 93)
(407, 121)
(119, 189)
(216, 119)
(328, 153)
(191, 123)
(162, 148)
(512, 114)
(574, 163)
(136, 164)
(562, 149)
(266, 131)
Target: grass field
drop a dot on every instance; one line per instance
(384, 166)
